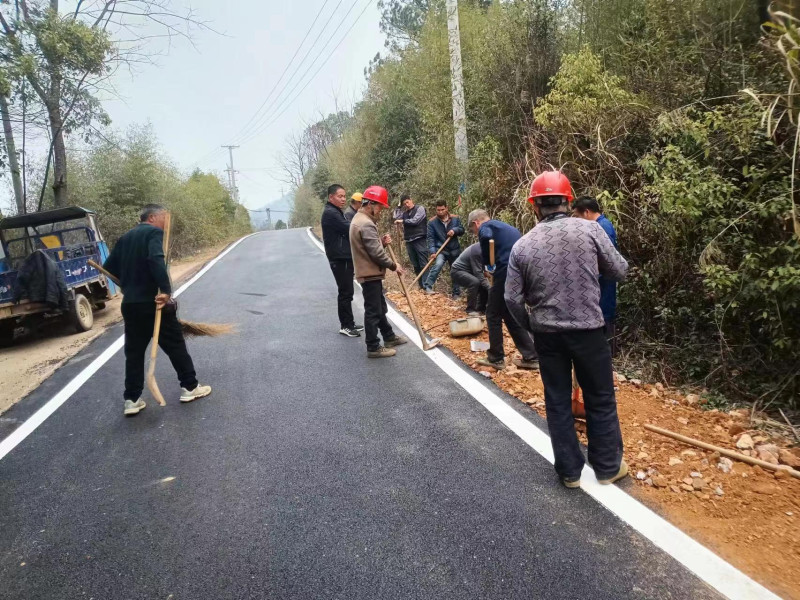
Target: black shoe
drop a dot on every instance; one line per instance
(349, 332)
(358, 327)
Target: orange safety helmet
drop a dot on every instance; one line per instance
(550, 183)
(376, 193)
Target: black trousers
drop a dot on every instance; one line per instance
(139, 320)
(375, 310)
(418, 255)
(589, 352)
(477, 289)
(496, 314)
(343, 273)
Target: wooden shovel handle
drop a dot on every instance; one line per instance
(431, 261)
(425, 344)
(723, 451)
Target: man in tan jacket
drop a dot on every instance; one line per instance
(371, 261)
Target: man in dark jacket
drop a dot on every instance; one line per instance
(441, 227)
(588, 208)
(552, 287)
(467, 272)
(504, 236)
(336, 237)
(415, 233)
(137, 260)
(355, 206)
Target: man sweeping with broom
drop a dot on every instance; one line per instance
(138, 262)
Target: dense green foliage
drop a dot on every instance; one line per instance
(119, 175)
(641, 103)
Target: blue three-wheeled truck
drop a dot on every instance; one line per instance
(68, 237)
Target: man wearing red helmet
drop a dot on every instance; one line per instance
(371, 261)
(552, 288)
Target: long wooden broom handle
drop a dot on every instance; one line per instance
(422, 337)
(431, 261)
(157, 324)
(722, 451)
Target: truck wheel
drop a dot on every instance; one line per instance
(80, 312)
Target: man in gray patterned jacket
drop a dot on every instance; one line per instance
(552, 289)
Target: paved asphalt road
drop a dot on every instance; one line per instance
(312, 472)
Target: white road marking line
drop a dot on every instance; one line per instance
(52, 405)
(707, 566)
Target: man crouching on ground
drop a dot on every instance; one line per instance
(138, 262)
(371, 261)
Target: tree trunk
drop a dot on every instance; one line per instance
(12, 155)
(57, 133)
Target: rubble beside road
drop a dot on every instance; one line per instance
(748, 515)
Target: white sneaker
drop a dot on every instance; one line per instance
(201, 391)
(133, 408)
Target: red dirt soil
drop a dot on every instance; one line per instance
(749, 516)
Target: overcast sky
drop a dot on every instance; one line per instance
(201, 97)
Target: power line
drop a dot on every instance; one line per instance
(261, 127)
(277, 100)
(289, 64)
(242, 131)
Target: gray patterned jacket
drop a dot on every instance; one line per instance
(552, 275)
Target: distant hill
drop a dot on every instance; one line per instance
(280, 210)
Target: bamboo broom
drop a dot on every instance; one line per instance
(190, 328)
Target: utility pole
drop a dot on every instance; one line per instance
(269, 219)
(457, 86)
(232, 171)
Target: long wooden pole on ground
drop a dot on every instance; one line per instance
(723, 451)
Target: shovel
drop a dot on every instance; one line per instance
(425, 344)
(430, 262)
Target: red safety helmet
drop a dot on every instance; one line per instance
(376, 193)
(550, 183)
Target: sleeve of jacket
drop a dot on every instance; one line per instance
(609, 262)
(484, 235)
(515, 290)
(374, 248)
(156, 261)
(457, 227)
(432, 238)
(417, 217)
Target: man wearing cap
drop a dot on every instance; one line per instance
(371, 261)
(355, 206)
(552, 288)
(335, 236)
